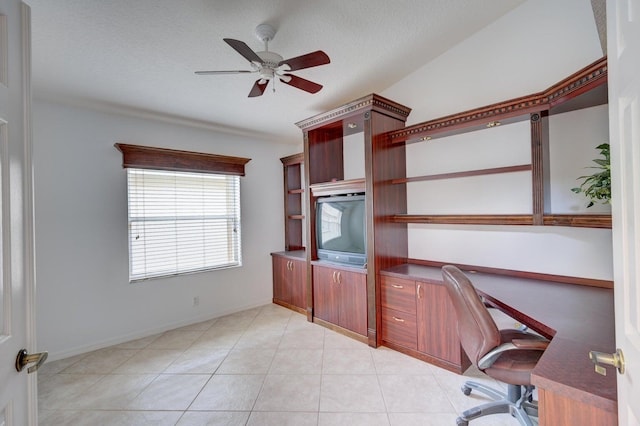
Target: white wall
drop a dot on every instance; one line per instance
(526, 51)
(84, 299)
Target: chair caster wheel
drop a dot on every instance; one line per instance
(466, 390)
(461, 422)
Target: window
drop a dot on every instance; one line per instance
(181, 221)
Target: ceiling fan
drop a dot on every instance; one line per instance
(271, 66)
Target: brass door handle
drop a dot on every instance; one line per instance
(24, 358)
(615, 359)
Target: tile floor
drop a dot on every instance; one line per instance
(264, 366)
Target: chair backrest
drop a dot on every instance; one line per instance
(477, 330)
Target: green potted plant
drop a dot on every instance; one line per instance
(597, 187)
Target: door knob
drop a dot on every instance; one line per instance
(24, 358)
(615, 359)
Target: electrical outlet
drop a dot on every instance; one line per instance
(196, 300)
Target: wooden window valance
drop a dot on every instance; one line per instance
(146, 157)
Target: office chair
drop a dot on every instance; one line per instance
(506, 355)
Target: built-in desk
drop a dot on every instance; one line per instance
(576, 318)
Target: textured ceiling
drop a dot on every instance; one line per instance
(140, 55)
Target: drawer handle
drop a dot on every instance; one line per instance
(397, 286)
(398, 319)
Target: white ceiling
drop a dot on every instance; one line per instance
(140, 55)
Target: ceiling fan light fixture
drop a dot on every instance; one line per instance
(269, 65)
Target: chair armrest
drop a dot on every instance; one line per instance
(530, 344)
(516, 344)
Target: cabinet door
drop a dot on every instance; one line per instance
(353, 301)
(280, 279)
(325, 297)
(437, 323)
(298, 283)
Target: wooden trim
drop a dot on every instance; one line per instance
(289, 306)
(293, 159)
(538, 148)
(519, 274)
(479, 172)
(447, 365)
(581, 221)
(343, 331)
(146, 157)
(371, 102)
(337, 187)
(464, 219)
(582, 81)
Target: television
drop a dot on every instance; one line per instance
(341, 229)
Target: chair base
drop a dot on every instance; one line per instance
(514, 402)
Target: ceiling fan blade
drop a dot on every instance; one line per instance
(258, 88)
(242, 48)
(223, 72)
(309, 60)
(300, 83)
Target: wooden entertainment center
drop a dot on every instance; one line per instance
(387, 302)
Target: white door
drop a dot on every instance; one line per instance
(623, 35)
(17, 390)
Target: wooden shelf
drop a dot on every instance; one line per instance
(468, 173)
(582, 82)
(580, 221)
(464, 219)
(292, 167)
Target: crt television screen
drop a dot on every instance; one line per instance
(341, 224)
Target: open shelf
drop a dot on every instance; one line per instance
(578, 221)
(583, 89)
(467, 173)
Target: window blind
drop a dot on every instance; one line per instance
(182, 222)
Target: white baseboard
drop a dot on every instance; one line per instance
(78, 350)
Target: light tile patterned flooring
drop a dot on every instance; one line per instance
(264, 366)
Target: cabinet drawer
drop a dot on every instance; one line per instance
(399, 294)
(400, 328)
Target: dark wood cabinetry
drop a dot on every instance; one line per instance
(329, 170)
(340, 297)
(290, 280)
(418, 319)
(293, 197)
(290, 266)
(438, 327)
(399, 324)
(387, 303)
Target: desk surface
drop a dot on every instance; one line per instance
(576, 318)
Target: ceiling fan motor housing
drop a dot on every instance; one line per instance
(265, 32)
(269, 65)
